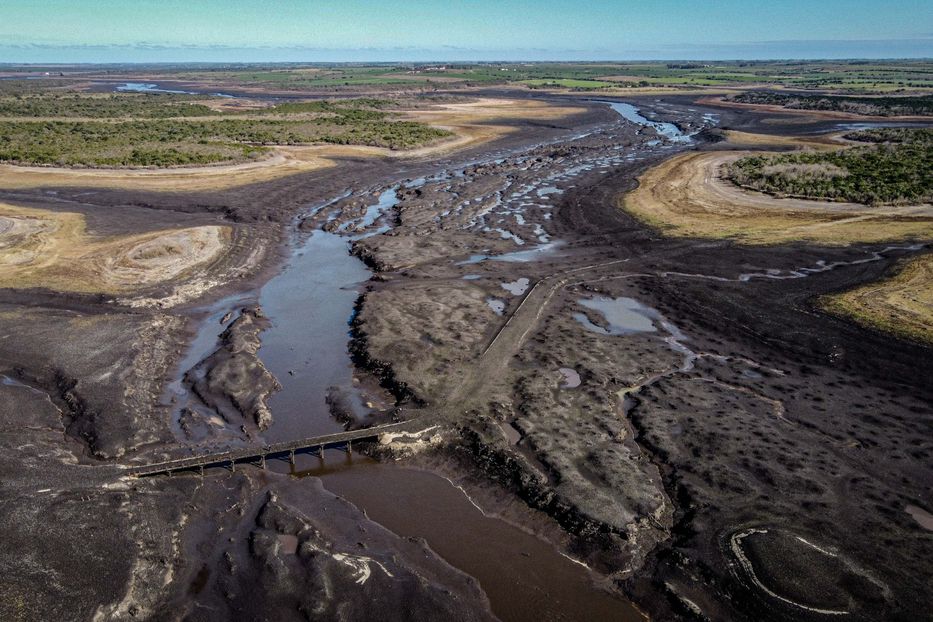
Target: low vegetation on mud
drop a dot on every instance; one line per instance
(170, 130)
(873, 106)
(897, 169)
(72, 105)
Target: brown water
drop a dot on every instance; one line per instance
(310, 305)
(525, 578)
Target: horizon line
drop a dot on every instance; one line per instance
(467, 61)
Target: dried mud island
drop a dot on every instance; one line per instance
(632, 388)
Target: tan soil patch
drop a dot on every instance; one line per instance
(686, 196)
(475, 122)
(40, 248)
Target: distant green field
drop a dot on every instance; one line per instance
(855, 77)
(297, 79)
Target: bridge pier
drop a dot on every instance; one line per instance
(320, 452)
(202, 470)
(349, 447)
(233, 466)
(291, 458)
(262, 462)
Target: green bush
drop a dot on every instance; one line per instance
(172, 142)
(170, 130)
(876, 106)
(897, 169)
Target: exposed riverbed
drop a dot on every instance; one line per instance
(310, 305)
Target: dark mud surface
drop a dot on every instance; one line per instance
(701, 442)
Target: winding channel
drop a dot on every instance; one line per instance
(310, 304)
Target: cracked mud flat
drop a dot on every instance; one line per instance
(714, 446)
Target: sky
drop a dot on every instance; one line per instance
(48, 31)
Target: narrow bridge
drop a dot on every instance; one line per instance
(288, 449)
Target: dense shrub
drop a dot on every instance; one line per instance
(875, 106)
(897, 169)
(155, 130)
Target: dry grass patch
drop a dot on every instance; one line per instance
(281, 162)
(824, 142)
(902, 304)
(483, 120)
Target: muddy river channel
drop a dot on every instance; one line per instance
(310, 305)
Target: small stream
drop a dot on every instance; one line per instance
(218, 316)
(310, 304)
(149, 87)
(668, 130)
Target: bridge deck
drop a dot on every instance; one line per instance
(273, 450)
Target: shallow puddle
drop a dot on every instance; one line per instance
(516, 287)
(497, 306)
(386, 201)
(571, 378)
(505, 234)
(511, 433)
(532, 254)
(288, 543)
(623, 316)
(923, 518)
